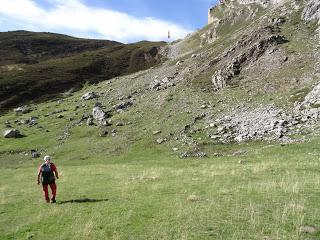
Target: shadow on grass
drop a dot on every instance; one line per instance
(83, 200)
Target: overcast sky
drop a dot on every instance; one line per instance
(119, 20)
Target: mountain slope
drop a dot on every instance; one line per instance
(218, 142)
(37, 66)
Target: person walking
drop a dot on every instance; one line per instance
(47, 175)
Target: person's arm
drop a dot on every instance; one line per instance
(39, 174)
(54, 169)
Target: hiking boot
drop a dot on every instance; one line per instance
(53, 201)
(48, 200)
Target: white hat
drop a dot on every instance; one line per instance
(46, 158)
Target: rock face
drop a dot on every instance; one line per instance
(312, 99)
(311, 11)
(12, 133)
(263, 3)
(309, 108)
(244, 52)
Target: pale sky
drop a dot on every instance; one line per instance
(119, 20)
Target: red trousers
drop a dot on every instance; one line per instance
(53, 187)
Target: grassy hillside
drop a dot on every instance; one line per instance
(38, 66)
(167, 165)
(18, 47)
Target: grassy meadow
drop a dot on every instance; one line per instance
(266, 193)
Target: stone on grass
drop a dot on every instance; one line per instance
(99, 115)
(119, 124)
(12, 133)
(160, 140)
(89, 95)
(22, 109)
(123, 105)
(309, 229)
(103, 132)
(90, 121)
(194, 198)
(35, 154)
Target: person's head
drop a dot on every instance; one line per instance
(47, 159)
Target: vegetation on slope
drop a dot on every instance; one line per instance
(37, 66)
(125, 185)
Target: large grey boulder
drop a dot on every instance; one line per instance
(99, 115)
(12, 133)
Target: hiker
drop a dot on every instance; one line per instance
(48, 173)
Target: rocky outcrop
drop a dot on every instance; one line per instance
(309, 108)
(246, 51)
(311, 100)
(311, 11)
(263, 3)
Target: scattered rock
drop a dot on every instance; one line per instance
(265, 123)
(194, 154)
(162, 84)
(278, 21)
(217, 155)
(35, 154)
(194, 198)
(7, 124)
(119, 124)
(160, 140)
(156, 132)
(89, 95)
(100, 115)
(179, 63)
(123, 105)
(308, 229)
(98, 104)
(90, 121)
(103, 132)
(12, 133)
(22, 109)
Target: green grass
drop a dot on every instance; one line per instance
(153, 195)
(129, 187)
